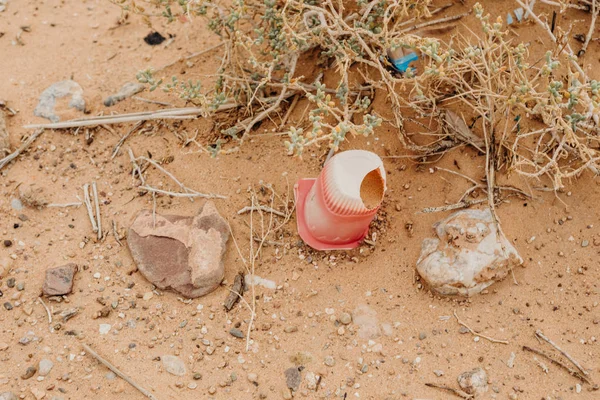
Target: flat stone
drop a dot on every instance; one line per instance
(45, 107)
(173, 365)
(293, 378)
(44, 367)
(467, 256)
(236, 333)
(103, 329)
(59, 280)
(37, 393)
(181, 253)
(365, 318)
(8, 396)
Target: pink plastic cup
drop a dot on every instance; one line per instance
(334, 211)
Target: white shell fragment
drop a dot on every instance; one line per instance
(467, 256)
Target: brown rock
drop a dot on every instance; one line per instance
(180, 253)
(59, 280)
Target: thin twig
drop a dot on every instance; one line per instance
(449, 389)
(160, 103)
(193, 55)
(477, 333)
(4, 161)
(558, 362)
(88, 206)
(125, 137)
(118, 372)
(588, 37)
(541, 335)
(455, 206)
(177, 194)
(47, 310)
(261, 208)
(289, 111)
(116, 232)
(434, 22)
(97, 204)
(65, 205)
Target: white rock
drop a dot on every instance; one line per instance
(104, 329)
(473, 382)
(8, 396)
(468, 256)
(173, 365)
(365, 318)
(255, 280)
(44, 367)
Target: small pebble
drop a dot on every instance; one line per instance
(291, 329)
(8, 306)
(329, 361)
(236, 333)
(252, 377)
(29, 373)
(422, 336)
(197, 376)
(345, 318)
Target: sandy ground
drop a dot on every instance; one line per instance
(298, 323)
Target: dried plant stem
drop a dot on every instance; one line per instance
(125, 137)
(97, 205)
(541, 335)
(187, 195)
(118, 372)
(88, 206)
(193, 55)
(186, 192)
(64, 205)
(434, 22)
(116, 232)
(170, 113)
(149, 101)
(455, 206)
(557, 362)
(456, 392)
(47, 310)
(477, 333)
(289, 111)
(588, 37)
(4, 161)
(261, 208)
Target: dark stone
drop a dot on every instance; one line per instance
(293, 378)
(154, 39)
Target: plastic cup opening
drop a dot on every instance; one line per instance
(372, 189)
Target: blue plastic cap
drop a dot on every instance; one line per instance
(402, 63)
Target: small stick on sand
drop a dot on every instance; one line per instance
(97, 203)
(261, 208)
(557, 362)
(65, 205)
(539, 334)
(289, 111)
(477, 333)
(449, 389)
(4, 161)
(116, 232)
(118, 372)
(88, 205)
(456, 206)
(47, 310)
(125, 137)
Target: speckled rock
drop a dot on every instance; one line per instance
(468, 255)
(181, 253)
(45, 107)
(59, 280)
(473, 382)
